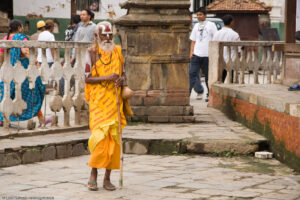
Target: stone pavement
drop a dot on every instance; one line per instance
(156, 177)
(213, 133)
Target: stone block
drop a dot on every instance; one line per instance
(136, 100)
(271, 103)
(188, 110)
(136, 147)
(154, 93)
(164, 110)
(2, 160)
(78, 150)
(294, 110)
(151, 101)
(139, 110)
(84, 117)
(139, 118)
(164, 147)
(253, 99)
(188, 119)
(139, 78)
(12, 159)
(64, 151)
(176, 75)
(31, 156)
(176, 119)
(158, 119)
(141, 93)
(174, 101)
(49, 153)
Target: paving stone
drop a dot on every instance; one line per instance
(271, 187)
(12, 159)
(64, 151)
(79, 149)
(49, 153)
(136, 147)
(146, 177)
(31, 156)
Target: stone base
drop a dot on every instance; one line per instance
(163, 114)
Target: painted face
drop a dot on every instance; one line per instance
(201, 16)
(105, 33)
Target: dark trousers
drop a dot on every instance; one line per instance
(198, 63)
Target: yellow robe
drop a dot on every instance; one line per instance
(104, 144)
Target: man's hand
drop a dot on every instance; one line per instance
(119, 82)
(113, 77)
(191, 56)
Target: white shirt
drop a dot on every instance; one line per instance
(227, 34)
(85, 33)
(45, 36)
(202, 34)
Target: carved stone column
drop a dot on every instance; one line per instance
(155, 42)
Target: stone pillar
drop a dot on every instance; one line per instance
(155, 42)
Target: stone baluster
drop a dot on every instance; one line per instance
(243, 66)
(45, 69)
(269, 65)
(67, 100)
(7, 74)
(276, 65)
(263, 61)
(57, 74)
(78, 75)
(256, 65)
(32, 72)
(249, 63)
(19, 105)
(229, 66)
(236, 65)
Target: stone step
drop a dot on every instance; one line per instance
(137, 139)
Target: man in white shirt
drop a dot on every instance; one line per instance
(227, 34)
(47, 36)
(203, 32)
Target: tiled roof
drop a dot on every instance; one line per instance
(237, 6)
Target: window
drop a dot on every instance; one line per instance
(26, 26)
(93, 5)
(201, 3)
(56, 27)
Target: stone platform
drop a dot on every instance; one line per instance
(268, 109)
(213, 134)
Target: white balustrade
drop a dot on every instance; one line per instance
(251, 62)
(48, 74)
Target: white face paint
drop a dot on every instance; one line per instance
(105, 29)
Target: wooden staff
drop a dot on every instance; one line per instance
(121, 142)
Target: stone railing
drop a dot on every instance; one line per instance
(57, 103)
(248, 63)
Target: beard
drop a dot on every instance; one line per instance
(107, 45)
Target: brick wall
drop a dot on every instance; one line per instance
(281, 129)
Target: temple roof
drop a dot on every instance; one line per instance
(237, 6)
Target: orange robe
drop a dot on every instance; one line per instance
(104, 144)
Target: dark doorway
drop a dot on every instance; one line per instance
(6, 6)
